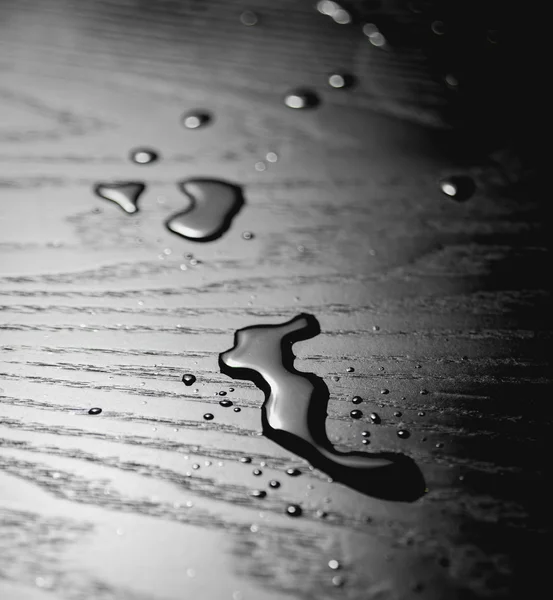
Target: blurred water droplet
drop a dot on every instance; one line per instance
(124, 194)
(257, 472)
(301, 98)
(246, 459)
(237, 409)
(350, 370)
(195, 466)
(338, 581)
(376, 328)
(225, 403)
(321, 514)
(375, 418)
(188, 379)
(357, 400)
(423, 392)
(335, 378)
(196, 119)
(248, 18)
(355, 414)
(421, 413)
(438, 27)
(403, 434)
(258, 493)
(271, 157)
(274, 483)
(341, 81)
(144, 156)
(458, 187)
(365, 442)
(293, 472)
(374, 35)
(248, 235)
(384, 391)
(439, 445)
(366, 433)
(208, 417)
(334, 564)
(95, 411)
(397, 413)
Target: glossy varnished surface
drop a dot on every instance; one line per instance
(441, 308)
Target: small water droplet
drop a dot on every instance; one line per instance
(375, 418)
(213, 204)
(357, 400)
(335, 378)
(338, 581)
(208, 417)
(439, 445)
(334, 564)
(144, 156)
(366, 433)
(374, 35)
(438, 27)
(191, 572)
(271, 157)
(293, 472)
(274, 483)
(222, 393)
(258, 493)
(458, 187)
(247, 235)
(321, 514)
(423, 392)
(350, 370)
(236, 409)
(260, 166)
(301, 98)
(231, 389)
(124, 194)
(294, 510)
(365, 442)
(398, 413)
(403, 434)
(95, 411)
(248, 18)
(254, 528)
(341, 81)
(376, 328)
(451, 81)
(195, 466)
(246, 459)
(384, 391)
(188, 379)
(355, 414)
(196, 119)
(225, 403)
(257, 472)
(421, 413)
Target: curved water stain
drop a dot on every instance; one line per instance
(294, 411)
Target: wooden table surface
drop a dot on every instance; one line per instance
(444, 304)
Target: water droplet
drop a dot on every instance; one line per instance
(248, 235)
(225, 403)
(421, 413)
(95, 411)
(439, 445)
(208, 417)
(350, 370)
(236, 409)
(124, 194)
(357, 400)
(213, 204)
(196, 119)
(188, 379)
(341, 81)
(260, 166)
(355, 414)
(423, 392)
(257, 472)
(271, 157)
(274, 483)
(258, 493)
(321, 514)
(246, 459)
(403, 434)
(231, 389)
(222, 393)
(334, 564)
(195, 466)
(191, 572)
(376, 328)
(374, 35)
(366, 433)
(338, 581)
(375, 418)
(254, 528)
(438, 27)
(384, 391)
(335, 378)
(144, 156)
(397, 413)
(294, 510)
(248, 18)
(293, 472)
(451, 81)
(294, 411)
(301, 98)
(365, 442)
(458, 187)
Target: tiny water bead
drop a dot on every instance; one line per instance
(246, 459)
(293, 472)
(231, 389)
(438, 27)
(355, 414)
(357, 400)
(403, 434)
(248, 18)
(257, 472)
(333, 10)
(125, 194)
(341, 81)
(350, 370)
(274, 484)
(208, 417)
(397, 413)
(338, 581)
(301, 98)
(334, 564)
(294, 510)
(95, 411)
(144, 156)
(421, 413)
(247, 235)
(374, 418)
(258, 493)
(458, 187)
(366, 434)
(222, 393)
(225, 403)
(188, 379)
(196, 119)
(423, 392)
(374, 35)
(260, 166)
(237, 409)
(384, 391)
(271, 157)
(365, 442)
